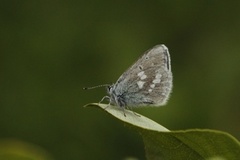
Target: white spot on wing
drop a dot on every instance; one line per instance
(158, 76)
(150, 90)
(140, 74)
(143, 77)
(152, 85)
(140, 84)
(156, 81)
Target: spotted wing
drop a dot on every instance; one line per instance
(148, 81)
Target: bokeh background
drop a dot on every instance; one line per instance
(50, 50)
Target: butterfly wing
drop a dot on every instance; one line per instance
(148, 81)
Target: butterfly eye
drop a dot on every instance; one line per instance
(109, 88)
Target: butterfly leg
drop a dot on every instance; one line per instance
(123, 111)
(105, 97)
(131, 109)
(136, 114)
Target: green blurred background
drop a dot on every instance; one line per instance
(50, 50)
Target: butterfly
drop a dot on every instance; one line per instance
(148, 82)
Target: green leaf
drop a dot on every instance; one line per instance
(14, 149)
(160, 143)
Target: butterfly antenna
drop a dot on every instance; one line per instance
(102, 85)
